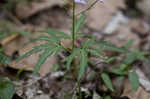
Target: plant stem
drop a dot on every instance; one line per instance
(73, 41)
(79, 90)
(73, 25)
(75, 71)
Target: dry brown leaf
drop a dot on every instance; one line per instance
(102, 13)
(139, 94)
(28, 63)
(123, 35)
(25, 10)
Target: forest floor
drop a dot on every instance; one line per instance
(106, 21)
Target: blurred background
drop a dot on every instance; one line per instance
(116, 21)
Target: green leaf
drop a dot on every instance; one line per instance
(71, 57)
(55, 67)
(19, 72)
(58, 50)
(48, 39)
(111, 47)
(79, 35)
(3, 35)
(107, 81)
(4, 59)
(42, 38)
(52, 35)
(145, 53)
(117, 71)
(107, 97)
(101, 50)
(6, 89)
(79, 23)
(48, 52)
(1, 50)
(104, 45)
(120, 78)
(87, 43)
(125, 67)
(129, 44)
(134, 80)
(93, 52)
(135, 55)
(57, 34)
(142, 54)
(36, 49)
(62, 35)
(111, 59)
(130, 58)
(83, 63)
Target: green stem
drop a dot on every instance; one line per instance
(79, 90)
(73, 42)
(73, 25)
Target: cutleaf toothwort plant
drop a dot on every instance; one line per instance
(53, 45)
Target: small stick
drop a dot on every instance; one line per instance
(85, 10)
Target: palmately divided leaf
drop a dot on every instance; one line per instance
(135, 55)
(57, 34)
(47, 52)
(111, 47)
(103, 45)
(62, 35)
(36, 49)
(107, 81)
(42, 38)
(48, 39)
(52, 35)
(83, 63)
(134, 80)
(71, 57)
(79, 23)
(6, 89)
